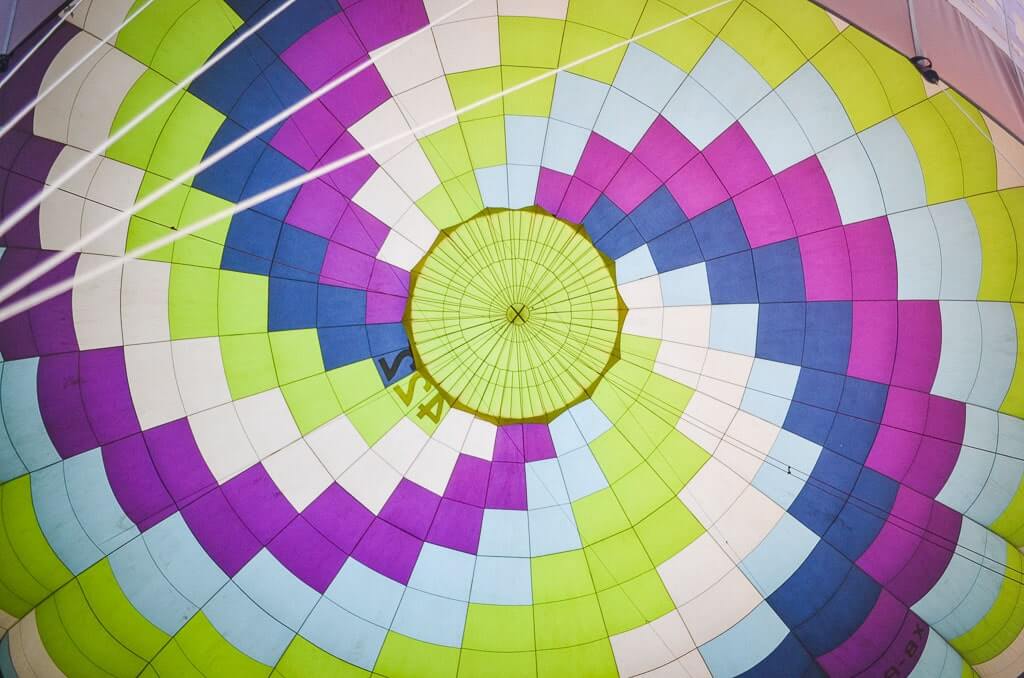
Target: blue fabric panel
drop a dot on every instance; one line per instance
(779, 272)
(780, 332)
(385, 339)
(807, 421)
(621, 239)
(340, 306)
(603, 217)
(299, 255)
(863, 399)
(342, 346)
(821, 389)
(675, 249)
(226, 178)
(719, 231)
(271, 169)
(292, 305)
(841, 616)
(852, 437)
(251, 242)
(811, 586)
(293, 23)
(658, 214)
(731, 279)
(222, 85)
(829, 328)
(788, 659)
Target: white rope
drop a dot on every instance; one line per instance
(67, 74)
(53, 29)
(66, 253)
(51, 291)
(12, 220)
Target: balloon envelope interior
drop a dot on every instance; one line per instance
(516, 338)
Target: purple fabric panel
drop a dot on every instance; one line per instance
(389, 551)
(905, 650)
(932, 557)
(764, 214)
(600, 161)
(551, 188)
(178, 461)
(308, 554)
(389, 279)
(316, 208)
(258, 502)
(339, 517)
(379, 22)
(508, 443)
(633, 184)
(411, 508)
(696, 187)
(136, 483)
(61, 406)
(345, 267)
(809, 196)
(538, 442)
(869, 642)
(221, 532)
(360, 230)
(919, 345)
(826, 263)
(105, 392)
(324, 52)
(507, 486)
(736, 160)
(384, 308)
(16, 338)
(899, 537)
(350, 178)
(53, 322)
(579, 198)
(468, 482)
(457, 526)
(872, 259)
(663, 150)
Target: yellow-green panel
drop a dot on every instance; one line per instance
(763, 44)
(1000, 253)
(1013, 403)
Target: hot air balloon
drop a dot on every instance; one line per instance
(478, 338)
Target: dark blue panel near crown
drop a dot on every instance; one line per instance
(342, 346)
(658, 214)
(271, 170)
(337, 306)
(719, 231)
(779, 272)
(602, 218)
(623, 238)
(675, 249)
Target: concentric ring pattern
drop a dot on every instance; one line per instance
(803, 457)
